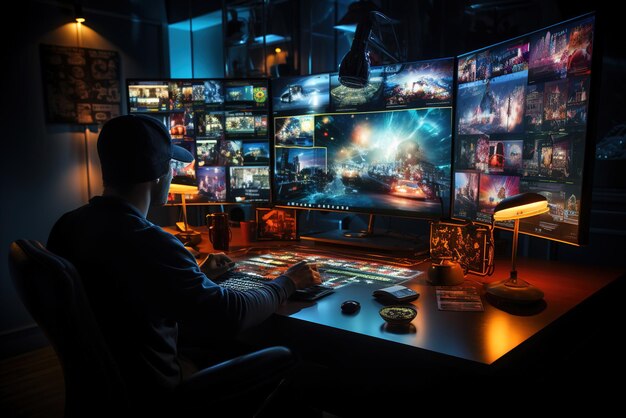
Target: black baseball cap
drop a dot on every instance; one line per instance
(136, 149)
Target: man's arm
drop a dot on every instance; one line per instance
(183, 292)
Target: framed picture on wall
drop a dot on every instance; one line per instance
(276, 224)
(81, 85)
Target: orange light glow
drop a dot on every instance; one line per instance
(80, 19)
(278, 50)
(361, 135)
(501, 335)
(523, 211)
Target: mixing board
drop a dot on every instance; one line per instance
(335, 272)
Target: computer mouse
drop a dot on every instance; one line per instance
(350, 306)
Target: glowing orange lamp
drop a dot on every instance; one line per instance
(187, 235)
(515, 208)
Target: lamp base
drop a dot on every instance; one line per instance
(189, 237)
(515, 291)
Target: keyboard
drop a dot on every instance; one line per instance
(239, 281)
(243, 282)
(336, 273)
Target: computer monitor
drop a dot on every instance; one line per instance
(224, 123)
(300, 95)
(386, 149)
(523, 125)
(246, 94)
(148, 96)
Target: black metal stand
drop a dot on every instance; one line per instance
(371, 239)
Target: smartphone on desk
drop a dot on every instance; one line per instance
(396, 293)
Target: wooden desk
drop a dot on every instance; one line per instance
(494, 341)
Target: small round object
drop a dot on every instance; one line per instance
(398, 314)
(350, 306)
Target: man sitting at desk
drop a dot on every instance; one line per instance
(140, 280)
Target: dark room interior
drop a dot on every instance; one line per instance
(564, 339)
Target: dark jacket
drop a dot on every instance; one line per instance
(141, 281)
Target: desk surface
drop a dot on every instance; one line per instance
(480, 337)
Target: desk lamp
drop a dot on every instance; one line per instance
(515, 208)
(188, 236)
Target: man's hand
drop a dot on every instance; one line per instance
(303, 275)
(217, 264)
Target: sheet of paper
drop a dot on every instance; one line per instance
(459, 298)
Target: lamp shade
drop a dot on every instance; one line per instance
(520, 206)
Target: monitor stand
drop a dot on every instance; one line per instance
(363, 234)
(371, 239)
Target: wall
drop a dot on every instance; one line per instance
(208, 52)
(44, 171)
(180, 52)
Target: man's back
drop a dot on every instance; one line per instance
(122, 258)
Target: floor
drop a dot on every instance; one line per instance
(31, 385)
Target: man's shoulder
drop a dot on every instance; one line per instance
(68, 219)
(125, 230)
(99, 220)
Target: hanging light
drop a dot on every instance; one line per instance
(354, 70)
(79, 16)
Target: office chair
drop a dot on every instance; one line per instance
(52, 291)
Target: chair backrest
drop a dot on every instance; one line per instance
(52, 291)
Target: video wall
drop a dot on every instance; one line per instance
(521, 125)
(223, 123)
(383, 149)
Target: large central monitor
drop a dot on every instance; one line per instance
(522, 117)
(383, 149)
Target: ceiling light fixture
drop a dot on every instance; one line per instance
(79, 16)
